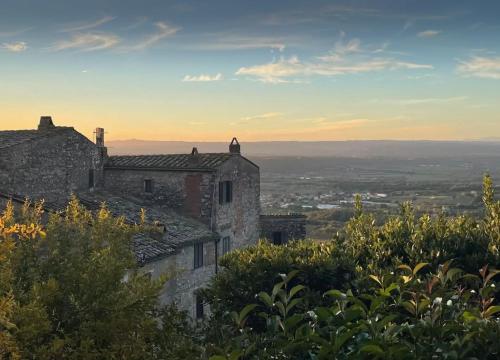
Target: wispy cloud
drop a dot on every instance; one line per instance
(14, 32)
(346, 58)
(265, 116)
(163, 30)
(239, 42)
(258, 117)
(202, 78)
(420, 101)
(88, 42)
(428, 33)
(483, 67)
(88, 25)
(19, 46)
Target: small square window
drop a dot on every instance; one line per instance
(198, 255)
(148, 186)
(226, 245)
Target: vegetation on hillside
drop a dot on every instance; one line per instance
(413, 287)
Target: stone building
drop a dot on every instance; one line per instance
(282, 228)
(205, 204)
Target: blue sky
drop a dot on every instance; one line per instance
(260, 70)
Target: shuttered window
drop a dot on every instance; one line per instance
(198, 255)
(226, 245)
(91, 179)
(199, 308)
(225, 192)
(148, 186)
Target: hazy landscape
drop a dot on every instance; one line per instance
(322, 178)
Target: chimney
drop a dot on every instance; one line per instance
(194, 158)
(234, 147)
(46, 123)
(99, 137)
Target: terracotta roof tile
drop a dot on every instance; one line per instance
(206, 162)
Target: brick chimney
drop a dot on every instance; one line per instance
(234, 147)
(46, 123)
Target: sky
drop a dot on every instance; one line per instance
(259, 70)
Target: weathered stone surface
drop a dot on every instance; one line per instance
(180, 194)
(285, 227)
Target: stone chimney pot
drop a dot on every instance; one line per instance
(46, 123)
(234, 147)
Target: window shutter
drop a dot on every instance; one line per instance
(221, 192)
(229, 191)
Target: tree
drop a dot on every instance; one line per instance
(77, 289)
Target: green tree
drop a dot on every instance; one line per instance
(77, 289)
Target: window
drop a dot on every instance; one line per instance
(277, 238)
(225, 192)
(226, 245)
(199, 307)
(198, 255)
(91, 179)
(148, 186)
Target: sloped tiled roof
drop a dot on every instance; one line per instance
(207, 161)
(10, 138)
(179, 230)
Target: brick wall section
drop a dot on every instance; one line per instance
(51, 167)
(187, 192)
(292, 226)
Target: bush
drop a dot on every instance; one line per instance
(67, 284)
(402, 314)
(246, 272)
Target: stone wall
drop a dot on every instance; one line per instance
(285, 227)
(188, 192)
(239, 219)
(182, 287)
(52, 166)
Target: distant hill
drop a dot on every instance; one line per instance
(356, 149)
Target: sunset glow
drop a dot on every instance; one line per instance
(260, 70)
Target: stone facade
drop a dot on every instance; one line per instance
(208, 203)
(279, 229)
(54, 163)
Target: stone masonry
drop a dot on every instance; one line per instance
(204, 204)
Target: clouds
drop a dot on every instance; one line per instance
(98, 40)
(202, 78)
(89, 25)
(229, 41)
(16, 47)
(482, 67)
(422, 101)
(265, 116)
(345, 58)
(88, 42)
(428, 33)
(163, 30)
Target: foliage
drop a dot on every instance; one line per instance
(254, 269)
(406, 314)
(408, 239)
(178, 338)
(66, 290)
(384, 310)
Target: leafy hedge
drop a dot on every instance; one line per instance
(404, 314)
(353, 298)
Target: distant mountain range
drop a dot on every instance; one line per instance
(356, 149)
